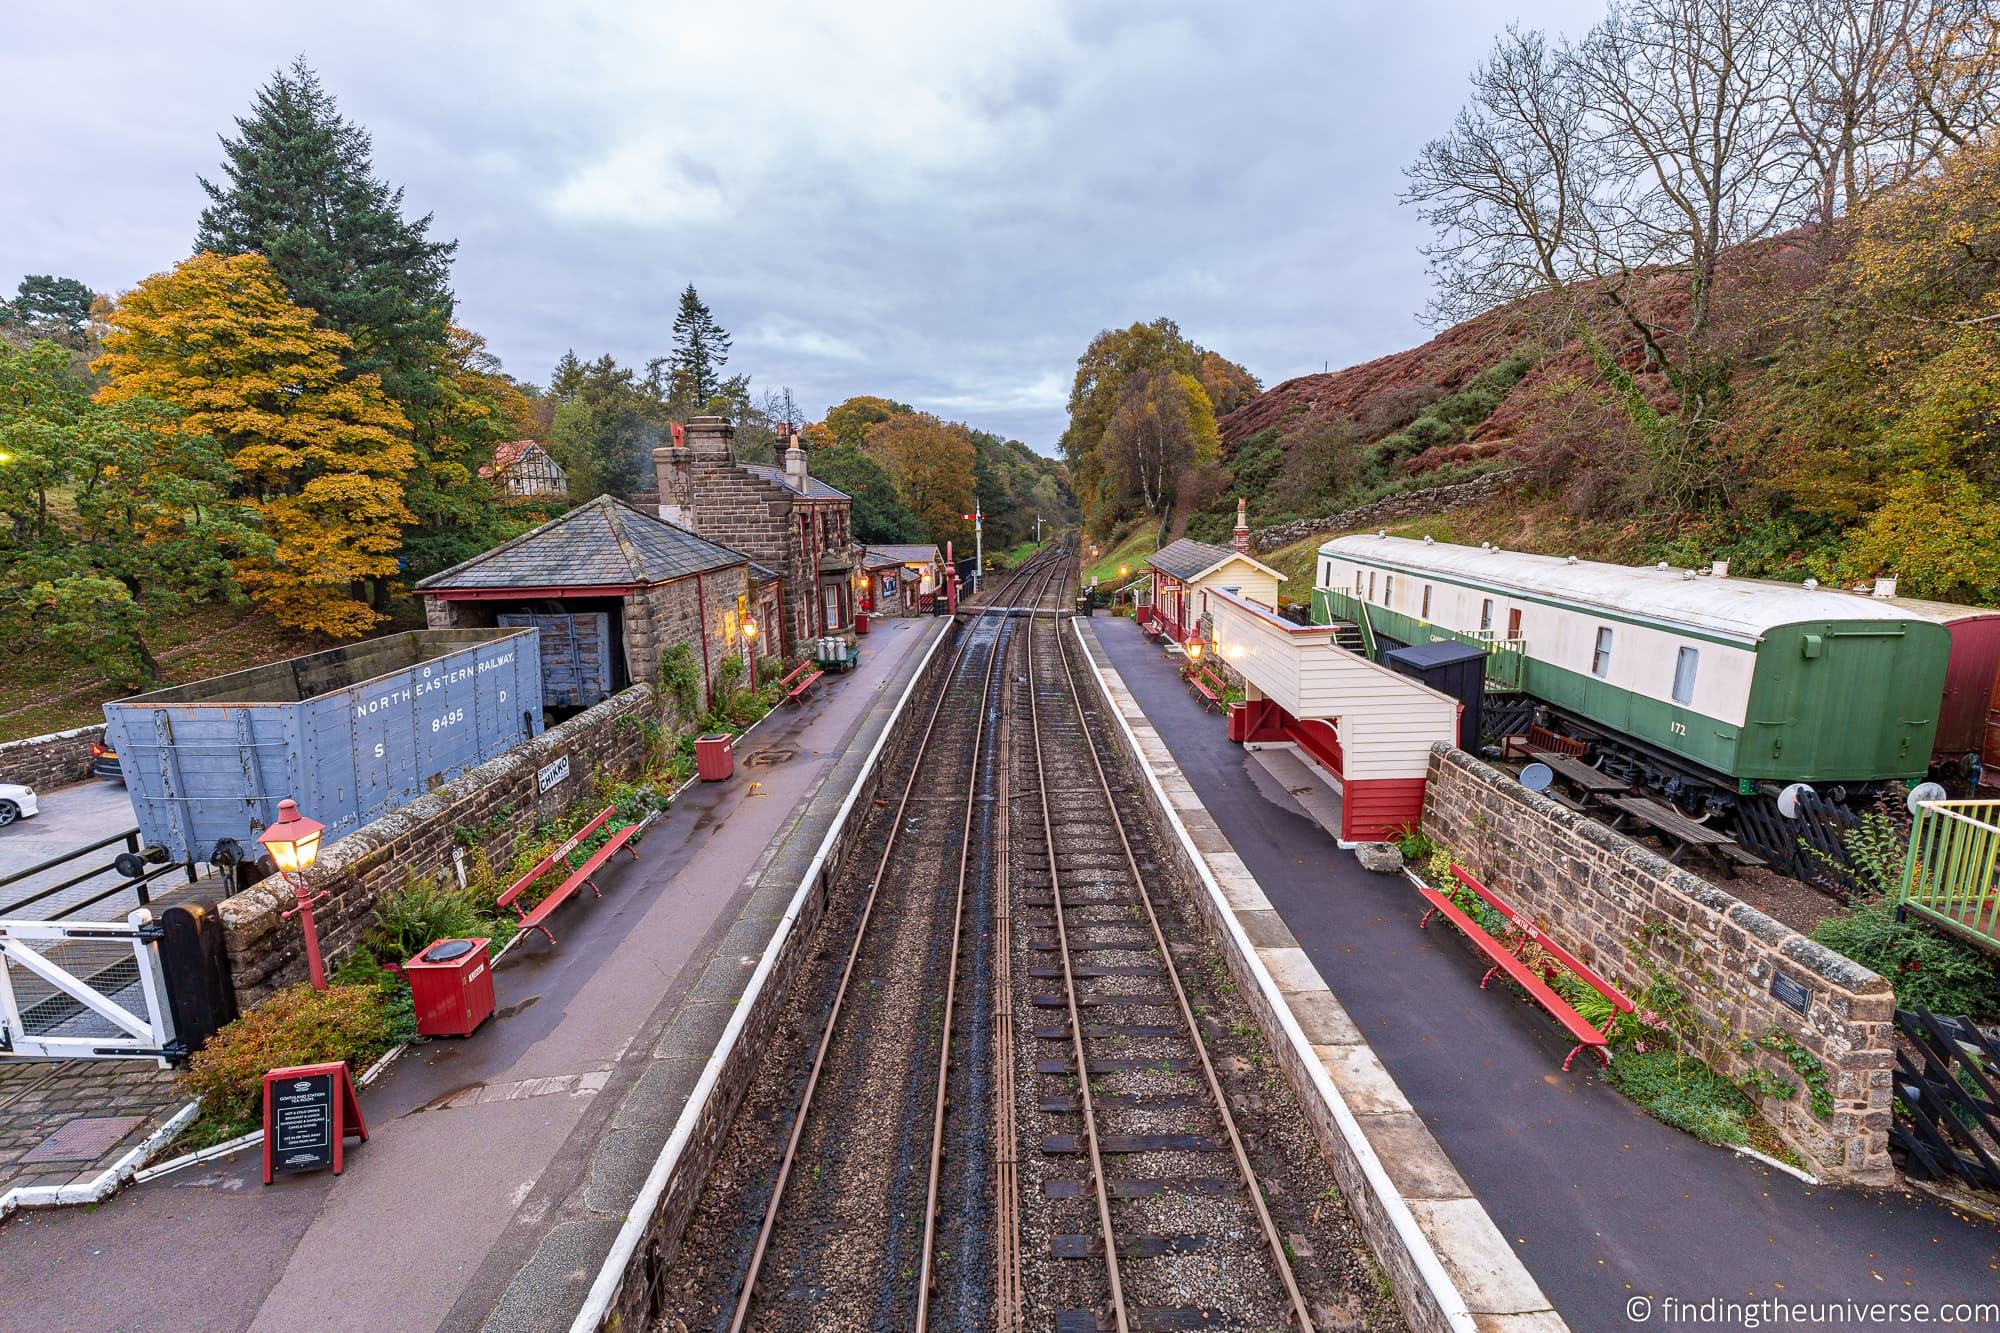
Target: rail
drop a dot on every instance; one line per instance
(1506, 658)
(137, 885)
(1949, 875)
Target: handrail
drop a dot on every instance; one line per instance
(1949, 874)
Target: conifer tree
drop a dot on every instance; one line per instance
(701, 350)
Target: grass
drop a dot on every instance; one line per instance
(42, 691)
(1129, 546)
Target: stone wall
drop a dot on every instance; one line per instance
(1635, 918)
(665, 614)
(54, 760)
(1390, 508)
(478, 813)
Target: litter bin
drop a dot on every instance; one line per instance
(715, 757)
(860, 623)
(452, 985)
(1239, 723)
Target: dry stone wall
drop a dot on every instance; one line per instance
(479, 813)
(1390, 508)
(1765, 997)
(55, 760)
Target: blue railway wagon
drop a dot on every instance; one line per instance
(350, 734)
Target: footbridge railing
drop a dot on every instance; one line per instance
(1950, 875)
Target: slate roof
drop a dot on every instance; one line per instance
(815, 488)
(1187, 558)
(604, 542)
(899, 555)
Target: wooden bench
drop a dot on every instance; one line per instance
(1541, 738)
(1206, 684)
(536, 917)
(1508, 960)
(1677, 829)
(798, 680)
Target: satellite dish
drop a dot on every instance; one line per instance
(1788, 799)
(1925, 792)
(1537, 777)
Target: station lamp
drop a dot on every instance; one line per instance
(293, 842)
(1194, 650)
(750, 629)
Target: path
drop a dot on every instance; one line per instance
(1604, 1203)
(497, 1161)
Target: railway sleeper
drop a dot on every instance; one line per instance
(1145, 1246)
(1068, 1145)
(1141, 944)
(1124, 1101)
(1122, 900)
(1144, 1187)
(1088, 970)
(1144, 1000)
(1120, 1064)
(1152, 1318)
(1060, 1031)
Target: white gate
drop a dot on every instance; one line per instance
(83, 989)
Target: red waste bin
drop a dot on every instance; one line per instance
(860, 623)
(1239, 723)
(452, 983)
(715, 757)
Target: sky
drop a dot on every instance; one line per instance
(937, 203)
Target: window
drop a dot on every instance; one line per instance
(1427, 601)
(1388, 590)
(1686, 662)
(1600, 660)
(1371, 585)
(1357, 583)
(1486, 613)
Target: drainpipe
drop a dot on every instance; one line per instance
(701, 632)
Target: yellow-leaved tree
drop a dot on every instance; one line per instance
(321, 458)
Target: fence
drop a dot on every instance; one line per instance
(1506, 659)
(1949, 876)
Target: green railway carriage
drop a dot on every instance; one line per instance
(1742, 679)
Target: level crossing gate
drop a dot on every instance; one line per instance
(71, 989)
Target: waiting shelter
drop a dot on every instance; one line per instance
(1185, 570)
(1366, 728)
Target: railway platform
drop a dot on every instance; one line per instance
(501, 1168)
(1602, 1204)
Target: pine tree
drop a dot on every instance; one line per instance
(322, 457)
(701, 350)
(300, 189)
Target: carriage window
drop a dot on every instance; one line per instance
(1371, 585)
(1388, 590)
(1686, 663)
(1600, 661)
(1427, 601)
(1486, 613)
(1357, 583)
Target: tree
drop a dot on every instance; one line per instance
(322, 457)
(299, 187)
(144, 525)
(45, 306)
(848, 422)
(1162, 427)
(931, 465)
(1227, 384)
(605, 428)
(879, 513)
(458, 512)
(701, 350)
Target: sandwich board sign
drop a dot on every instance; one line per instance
(310, 1111)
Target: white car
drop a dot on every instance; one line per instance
(16, 802)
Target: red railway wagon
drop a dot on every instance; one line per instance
(1968, 730)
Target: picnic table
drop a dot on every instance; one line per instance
(1683, 833)
(1591, 782)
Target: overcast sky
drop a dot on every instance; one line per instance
(940, 203)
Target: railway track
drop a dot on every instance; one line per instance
(1135, 1099)
(1006, 1090)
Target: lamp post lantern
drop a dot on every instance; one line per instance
(294, 845)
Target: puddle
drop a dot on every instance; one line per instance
(515, 1007)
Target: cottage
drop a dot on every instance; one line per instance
(527, 472)
(1183, 571)
(783, 517)
(612, 589)
(899, 580)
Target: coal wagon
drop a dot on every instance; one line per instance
(350, 734)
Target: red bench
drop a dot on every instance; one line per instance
(536, 917)
(1206, 684)
(1505, 959)
(800, 679)
(1541, 738)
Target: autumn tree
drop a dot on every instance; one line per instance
(1161, 427)
(930, 463)
(320, 456)
(849, 422)
(879, 512)
(118, 519)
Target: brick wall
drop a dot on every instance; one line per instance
(416, 841)
(55, 760)
(1628, 913)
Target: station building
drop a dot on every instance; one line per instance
(899, 580)
(783, 518)
(1183, 571)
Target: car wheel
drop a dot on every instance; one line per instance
(9, 812)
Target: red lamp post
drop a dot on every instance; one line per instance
(294, 845)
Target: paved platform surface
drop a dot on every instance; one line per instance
(500, 1166)
(1604, 1203)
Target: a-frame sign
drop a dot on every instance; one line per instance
(309, 1113)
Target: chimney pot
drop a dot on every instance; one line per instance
(1240, 539)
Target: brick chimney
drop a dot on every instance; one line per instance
(795, 462)
(676, 485)
(1239, 540)
(709, 437)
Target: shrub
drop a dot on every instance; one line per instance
(1430, 431)
(399, 1007)
(425, 910)
(297, 1026)
(1415, 845)
(1925, 967)
(1469, 406)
